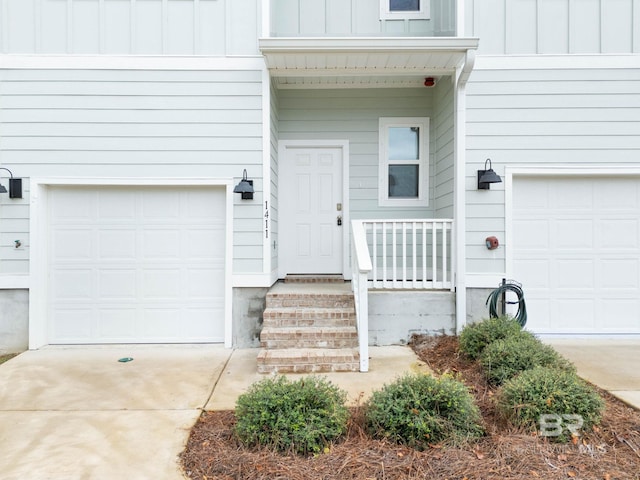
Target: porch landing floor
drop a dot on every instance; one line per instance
(330, 288)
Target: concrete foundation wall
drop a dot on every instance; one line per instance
(477, 309)
(14, 321)
(248, 308)
(395, 316)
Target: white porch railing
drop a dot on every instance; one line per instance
(397, 254)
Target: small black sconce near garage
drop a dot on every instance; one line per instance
(245, 187)
(487, 176)
(15, 185)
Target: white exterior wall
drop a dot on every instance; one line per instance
(355, 17)
(444, 142)
(124, 27)
(336, 114)
(508, 27)
(131, 123)
(542, 116)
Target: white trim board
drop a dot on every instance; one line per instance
(556, 62)
(38, 223)
(253, 280)
(131, 62)
(267, 234)
(14, 282)
(484, 280)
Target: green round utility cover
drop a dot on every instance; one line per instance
(125, 359)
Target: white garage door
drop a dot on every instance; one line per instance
(136, 264)
(576, 249)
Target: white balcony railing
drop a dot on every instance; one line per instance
(397, 254)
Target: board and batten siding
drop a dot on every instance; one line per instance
(132, 124)
(352, 114)
(554, 26)
(124, 27)
(543, 118)
(355, 17)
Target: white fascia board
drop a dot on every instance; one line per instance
(557, 62)
(410, 72)
(365, 44)
(130, 62)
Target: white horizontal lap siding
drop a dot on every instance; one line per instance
(170, 27)
(14, 229)
(147, 123)
(444, 143)
(542, 118)
(554, 26)
(353, 115)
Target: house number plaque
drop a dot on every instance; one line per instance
(266, 219)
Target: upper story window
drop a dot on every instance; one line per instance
(401, 9)
(404, 161)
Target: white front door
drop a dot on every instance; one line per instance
(311, 211)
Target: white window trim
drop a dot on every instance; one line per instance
(423, 13)
(383, 162)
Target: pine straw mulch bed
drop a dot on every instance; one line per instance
(7, 356)
(611, 451)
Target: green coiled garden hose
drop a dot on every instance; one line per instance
(500, 294)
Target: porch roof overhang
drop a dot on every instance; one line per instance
(359, 62)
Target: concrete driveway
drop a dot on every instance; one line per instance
(79, 413)
(611, 363)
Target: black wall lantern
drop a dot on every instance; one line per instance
(487, 176)
(15, 186)
(245, 187)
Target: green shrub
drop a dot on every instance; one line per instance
(475, 337)
(504, 359)
(548, 391)
(302, 416)
(419, 409)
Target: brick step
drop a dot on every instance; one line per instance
(308, 317)
(308, 360)
(312, 300)
(314, 279)
(309, 337)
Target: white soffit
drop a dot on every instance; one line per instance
(302, 62)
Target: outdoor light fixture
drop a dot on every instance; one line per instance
(487, 176)
(15, 186)
(245, 187)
